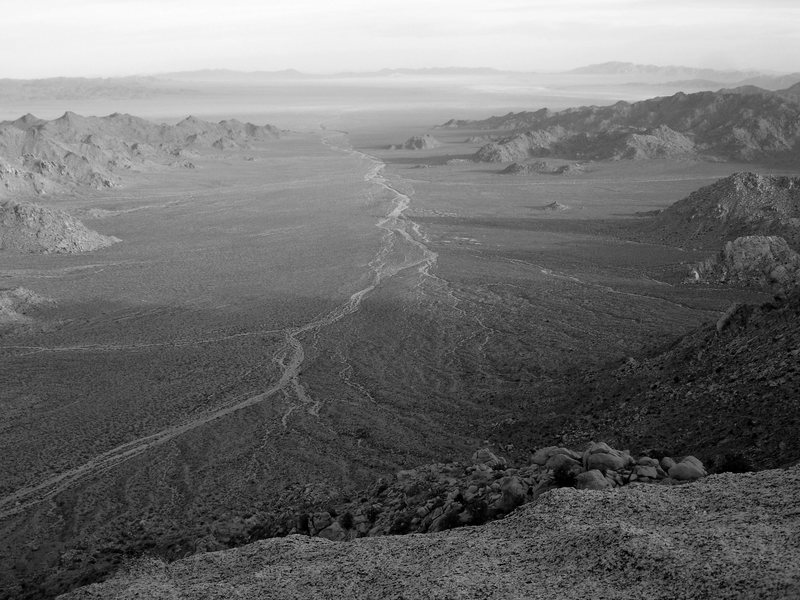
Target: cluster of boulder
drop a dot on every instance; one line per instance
(443, 496)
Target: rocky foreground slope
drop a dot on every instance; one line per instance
(30, 228)
(728, 393)
(727, 536)
(38, 156)
(760, 125)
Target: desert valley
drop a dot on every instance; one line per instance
(248, 353)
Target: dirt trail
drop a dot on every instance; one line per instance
(289, 357)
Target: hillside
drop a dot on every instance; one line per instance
(38, 156)
(29, 228)
(739, 205)
(689, 541)
(755, 126)
(725, 392)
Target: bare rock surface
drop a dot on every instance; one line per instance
(30, 228)
(755, 261)
(726, 536)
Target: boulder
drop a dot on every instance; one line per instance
(321, 520)
(562, 461)
(603, 462)
(541, 456)
(334, 532)
(484, 456)
(513, 491)
(685, 471)
(667, 463)
(694, 461)
(592, 480)
(646, 471)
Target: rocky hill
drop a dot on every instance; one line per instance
(757, 261)
(642, 541)
(30, 228)
(756, 126)
(542, 166)
(739, 205)
(418, 142)
(38, 156)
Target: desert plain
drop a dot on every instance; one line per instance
(284, 323)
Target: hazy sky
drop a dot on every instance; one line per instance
(44, 38)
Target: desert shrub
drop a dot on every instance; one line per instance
(346, 520)
(400, 525)
(479, 510)
(449, 521)
(564, 476)
(733, 462)
(373, 512)
(302, 523)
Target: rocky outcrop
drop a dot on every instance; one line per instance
(553, 206)
(16, 304)
(541, 166)
(660, 142)
(30, 228)
(743, 204)
(418, 142)
(639, 541)
(757, 261)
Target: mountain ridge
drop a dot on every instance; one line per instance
(728, 125)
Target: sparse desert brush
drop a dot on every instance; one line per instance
(564, 476)
(346, 520)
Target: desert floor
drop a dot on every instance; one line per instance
(308, 315)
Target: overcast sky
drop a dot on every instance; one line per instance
(43, 38)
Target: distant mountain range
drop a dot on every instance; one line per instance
(180, 83)
(745, 124)
(663, 72)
